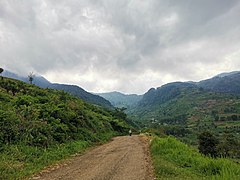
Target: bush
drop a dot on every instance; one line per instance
(208, 144)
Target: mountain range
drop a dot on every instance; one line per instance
(186, 108)
(72, 89)
(223, 83)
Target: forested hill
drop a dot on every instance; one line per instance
(185, 111)
(208, 99)
(72, 89)
(41, 117)
(163, 94)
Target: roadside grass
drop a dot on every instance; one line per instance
(22, 161)
(175, 160)
(19, 161)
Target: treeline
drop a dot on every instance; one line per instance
(215, 145)
(43, 117)
(234, 117)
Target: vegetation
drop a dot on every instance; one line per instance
(208, 144)
(40, 126)
(191, 112)
(175, 160)
(20, 160)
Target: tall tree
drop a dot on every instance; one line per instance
(1, 70)
(31, 77)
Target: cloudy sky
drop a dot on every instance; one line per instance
(126, 45)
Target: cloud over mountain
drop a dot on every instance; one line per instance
(128, 46)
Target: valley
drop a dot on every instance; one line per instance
(185, 109)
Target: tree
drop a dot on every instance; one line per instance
(208, 144)
(30, 77)
(1, 70)
(229, 146)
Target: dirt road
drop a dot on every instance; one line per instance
(123, 158)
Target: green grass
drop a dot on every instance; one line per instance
(21, 161)
(175, 160)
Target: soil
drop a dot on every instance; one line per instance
(124, 157)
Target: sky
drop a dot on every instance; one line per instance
(126, 45)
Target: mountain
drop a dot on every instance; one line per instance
(225, 83)
(188, 111)
(118, 99)
(38, 80)
(81, 93)
(227, 74)
(190, 107)
(163, 94)
(72, 89)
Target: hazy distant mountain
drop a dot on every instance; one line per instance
(225, 83)
(38, 80)
(118, 99)
(72, 89)
(227, 74)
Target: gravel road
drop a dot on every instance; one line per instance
(123, 158)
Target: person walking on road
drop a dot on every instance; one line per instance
(130, 132)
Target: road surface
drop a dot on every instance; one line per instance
(123, 158)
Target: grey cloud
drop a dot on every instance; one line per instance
(120, 45)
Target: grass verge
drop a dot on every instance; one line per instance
(21, 161)
(175, 160)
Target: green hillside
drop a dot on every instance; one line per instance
(189, 111)
(81, 93)
(38, 126)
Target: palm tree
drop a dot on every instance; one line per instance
(1, 70)
(30, 77)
